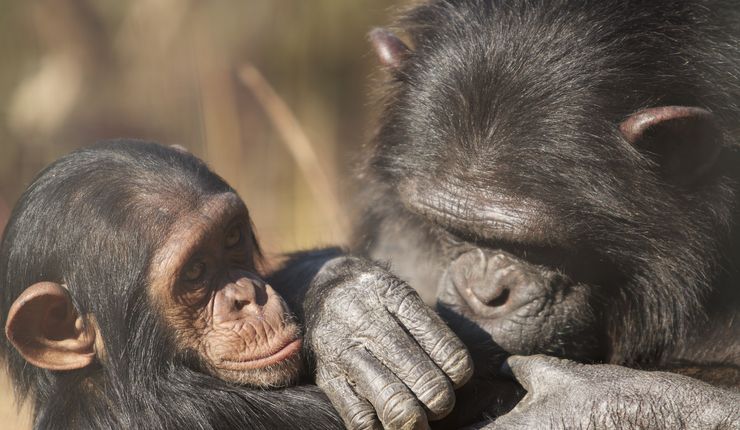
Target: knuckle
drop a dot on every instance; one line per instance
(361, 419)
(459, 366)
(408, 301)
(439, 403)
(431, 382)
(435, 391)
(404, 298)
(404, 415)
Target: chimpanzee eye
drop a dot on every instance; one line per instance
(233, 237)
(194, 271)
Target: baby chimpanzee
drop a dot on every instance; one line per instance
(202, 277)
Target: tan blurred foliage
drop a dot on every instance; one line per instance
(75, 71)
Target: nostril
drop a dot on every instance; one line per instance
(490, 297)
(500, 300)
(260, 295)
(239, 304)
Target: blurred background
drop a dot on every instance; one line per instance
(273, 94)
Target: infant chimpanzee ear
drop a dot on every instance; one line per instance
(388, 47)
(46, 330)
(180, 148)
(684, 141)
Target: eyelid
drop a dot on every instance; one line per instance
(238, 228)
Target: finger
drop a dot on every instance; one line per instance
(412, 366)
(532, 371)
(395, 405)
(357, 413)
(432, 334)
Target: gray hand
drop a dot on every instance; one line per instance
(563, 394)
(383, 357)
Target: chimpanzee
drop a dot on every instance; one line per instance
(129, 281)
(567, 175)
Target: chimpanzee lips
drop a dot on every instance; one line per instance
(282, 353)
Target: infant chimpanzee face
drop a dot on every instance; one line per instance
(202, 280)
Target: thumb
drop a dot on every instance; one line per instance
(532, 371)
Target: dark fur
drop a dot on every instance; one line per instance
(526, 96)
(87, 222)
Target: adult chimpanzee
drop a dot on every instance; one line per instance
(128, 275)
(567, 173)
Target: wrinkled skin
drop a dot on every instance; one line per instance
(559, 390)
(523, 307)
(204, 278)
(383, 357)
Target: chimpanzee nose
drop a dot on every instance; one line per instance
(242, 296)
(494, 283)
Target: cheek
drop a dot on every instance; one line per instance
(188, 324)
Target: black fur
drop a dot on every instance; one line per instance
(87, 221)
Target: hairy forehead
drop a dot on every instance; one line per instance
(189, 231)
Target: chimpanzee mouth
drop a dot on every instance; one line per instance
(284, 352)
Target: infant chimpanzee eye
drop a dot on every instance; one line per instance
(194, 271)
(233, 237)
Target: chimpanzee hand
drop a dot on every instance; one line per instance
(382, 356)
(563, 394)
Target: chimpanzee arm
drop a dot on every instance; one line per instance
(565, 394)
(382, 356)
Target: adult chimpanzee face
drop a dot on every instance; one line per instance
(545, 196)
(204, 280)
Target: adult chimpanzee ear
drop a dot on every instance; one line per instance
(46, 330)
(388, 47)
(685, 141)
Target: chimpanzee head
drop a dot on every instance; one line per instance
(128, 259)
(575, 178)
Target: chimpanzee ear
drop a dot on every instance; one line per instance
(388, 47)
(179, 148)
(685, 141)
(46, 330)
